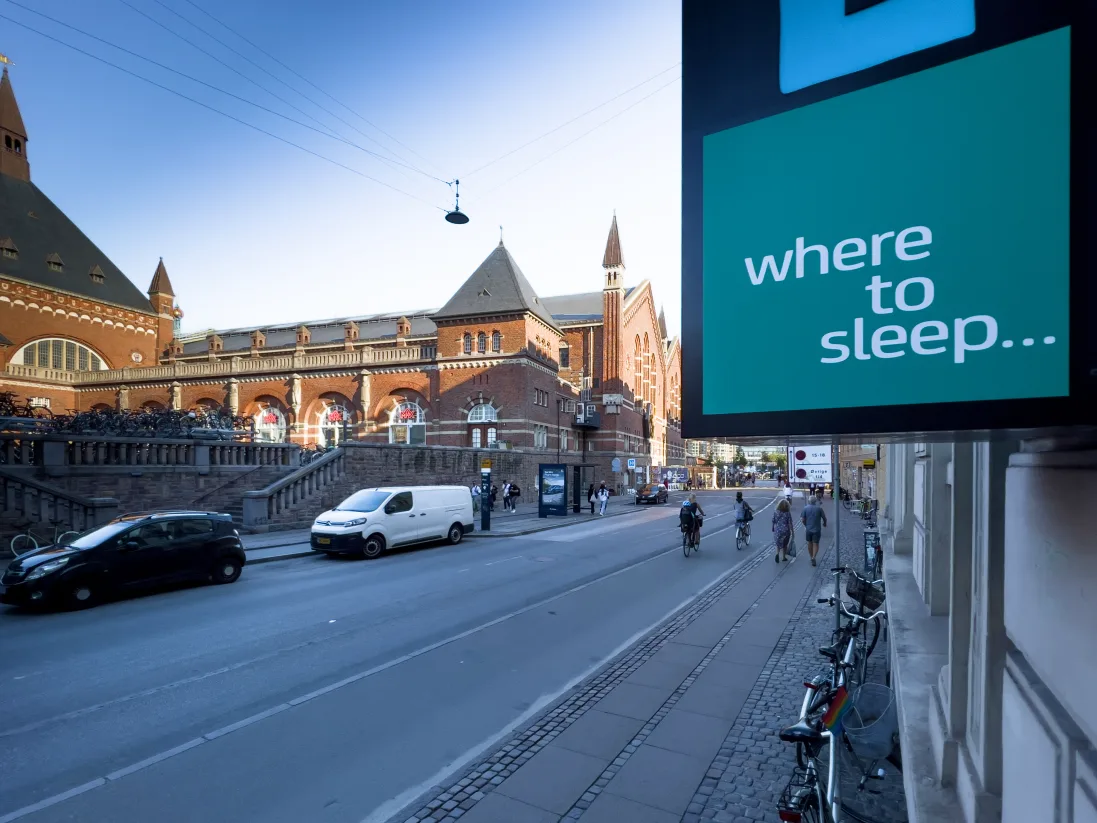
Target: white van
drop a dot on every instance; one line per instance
(373, 520)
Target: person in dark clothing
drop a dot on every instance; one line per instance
(590, 497)
(514, 493)
(494, 496)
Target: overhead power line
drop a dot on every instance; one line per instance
(218, 89)
(580, 137)
(304, 79)
(406, 163)
(215, 110)
(569, 122)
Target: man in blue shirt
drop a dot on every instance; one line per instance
(814, 519)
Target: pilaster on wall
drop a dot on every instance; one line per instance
(899, 502)
(932, 517)
(1049, 615)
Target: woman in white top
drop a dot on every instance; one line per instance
(788, 492)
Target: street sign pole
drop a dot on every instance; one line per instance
(837, 539)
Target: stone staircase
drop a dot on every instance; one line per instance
(229, 497)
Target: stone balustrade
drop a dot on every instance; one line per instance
(263, 508)
(25, 500)
(56, 455)
(230, 366)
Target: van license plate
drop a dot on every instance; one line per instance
(323, 541)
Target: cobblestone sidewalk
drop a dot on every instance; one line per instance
(754, 765)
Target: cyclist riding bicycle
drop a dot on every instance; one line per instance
(743, 514)
(690, 517)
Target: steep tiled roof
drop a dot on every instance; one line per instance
(160, 282)
(613, 256)
(10, 118)
(41, 232)
(496, 287)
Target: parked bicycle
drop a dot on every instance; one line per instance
(10, 407)
(841, 711)
(28, 540)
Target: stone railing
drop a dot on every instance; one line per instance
(62, 454)
(29, 501)
(229, 366)
(262, 508)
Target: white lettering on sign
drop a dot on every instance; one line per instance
(927, 338)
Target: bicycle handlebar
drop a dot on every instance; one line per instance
(856, 618)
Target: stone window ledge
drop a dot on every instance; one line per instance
(919, 648)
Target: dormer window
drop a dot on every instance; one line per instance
(96, 274)
(8, 249)
(54, 262)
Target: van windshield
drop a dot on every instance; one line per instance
(363, 501)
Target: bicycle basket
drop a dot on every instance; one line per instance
(872, 722)
(857, 587)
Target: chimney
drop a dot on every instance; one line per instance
(215, 345)
(258, 340)
(403, 329)
(304, 336)
(350, 334)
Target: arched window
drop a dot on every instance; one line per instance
(496, 341)
(482, 420)
(481, 343)
(58, 353)
(484, 413)
(407, 425)
(334, 423)
(637, 368)
(468, 343)
(270, 425)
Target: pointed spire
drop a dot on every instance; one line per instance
(13, 134)
(662, 324)
(613, 257)
(160, 282)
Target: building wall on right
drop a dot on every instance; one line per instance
(996, 545)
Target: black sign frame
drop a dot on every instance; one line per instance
(730, 76)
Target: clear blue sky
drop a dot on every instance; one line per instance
(256, 232)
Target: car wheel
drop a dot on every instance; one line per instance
(81, 596)
(227, 570)
(373, 547)
(455, 534)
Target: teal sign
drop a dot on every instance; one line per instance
(909, 240)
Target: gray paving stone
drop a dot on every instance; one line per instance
(634, 700)
(610, 808)
(722, 674)
(742, 648)
(706, 631)
(496, 808)
(693, 734)
(662, 674)
(599, 734)
(553, 780)
(657, 777)
(716, 701)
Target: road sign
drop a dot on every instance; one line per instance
(615, 464)
(869, 464)
(795, 117)
(810, 464)
(632, 463)
(485, 464)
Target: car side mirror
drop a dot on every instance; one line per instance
(389, 509)
(130, 545)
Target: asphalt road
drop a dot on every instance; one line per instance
(324, 689)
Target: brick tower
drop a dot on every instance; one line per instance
(613, 299)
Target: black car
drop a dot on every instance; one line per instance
(130, 552)
(652, 493)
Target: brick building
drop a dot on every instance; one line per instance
(497, 366)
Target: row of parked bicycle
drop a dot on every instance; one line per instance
(165, 423)
(848, 726)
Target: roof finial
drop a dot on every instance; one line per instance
(500, 235)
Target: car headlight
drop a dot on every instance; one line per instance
(358, 521)
(46, 568)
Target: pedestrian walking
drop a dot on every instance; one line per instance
(782, 530)
(506, 496)
(513, 494)
(814, 519)
(788, 492)
(476, 498)
(494, 496)
(590, 498)
(603, 498)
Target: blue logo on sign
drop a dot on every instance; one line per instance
(824, 39)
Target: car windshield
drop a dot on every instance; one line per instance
(363, 501)
(95, 537)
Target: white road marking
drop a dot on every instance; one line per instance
(507, 560)
(396, 803)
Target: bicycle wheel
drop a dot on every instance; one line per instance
(747, 534)
(739, 540)
(64, 538)
(686, 546)
(23, 543)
